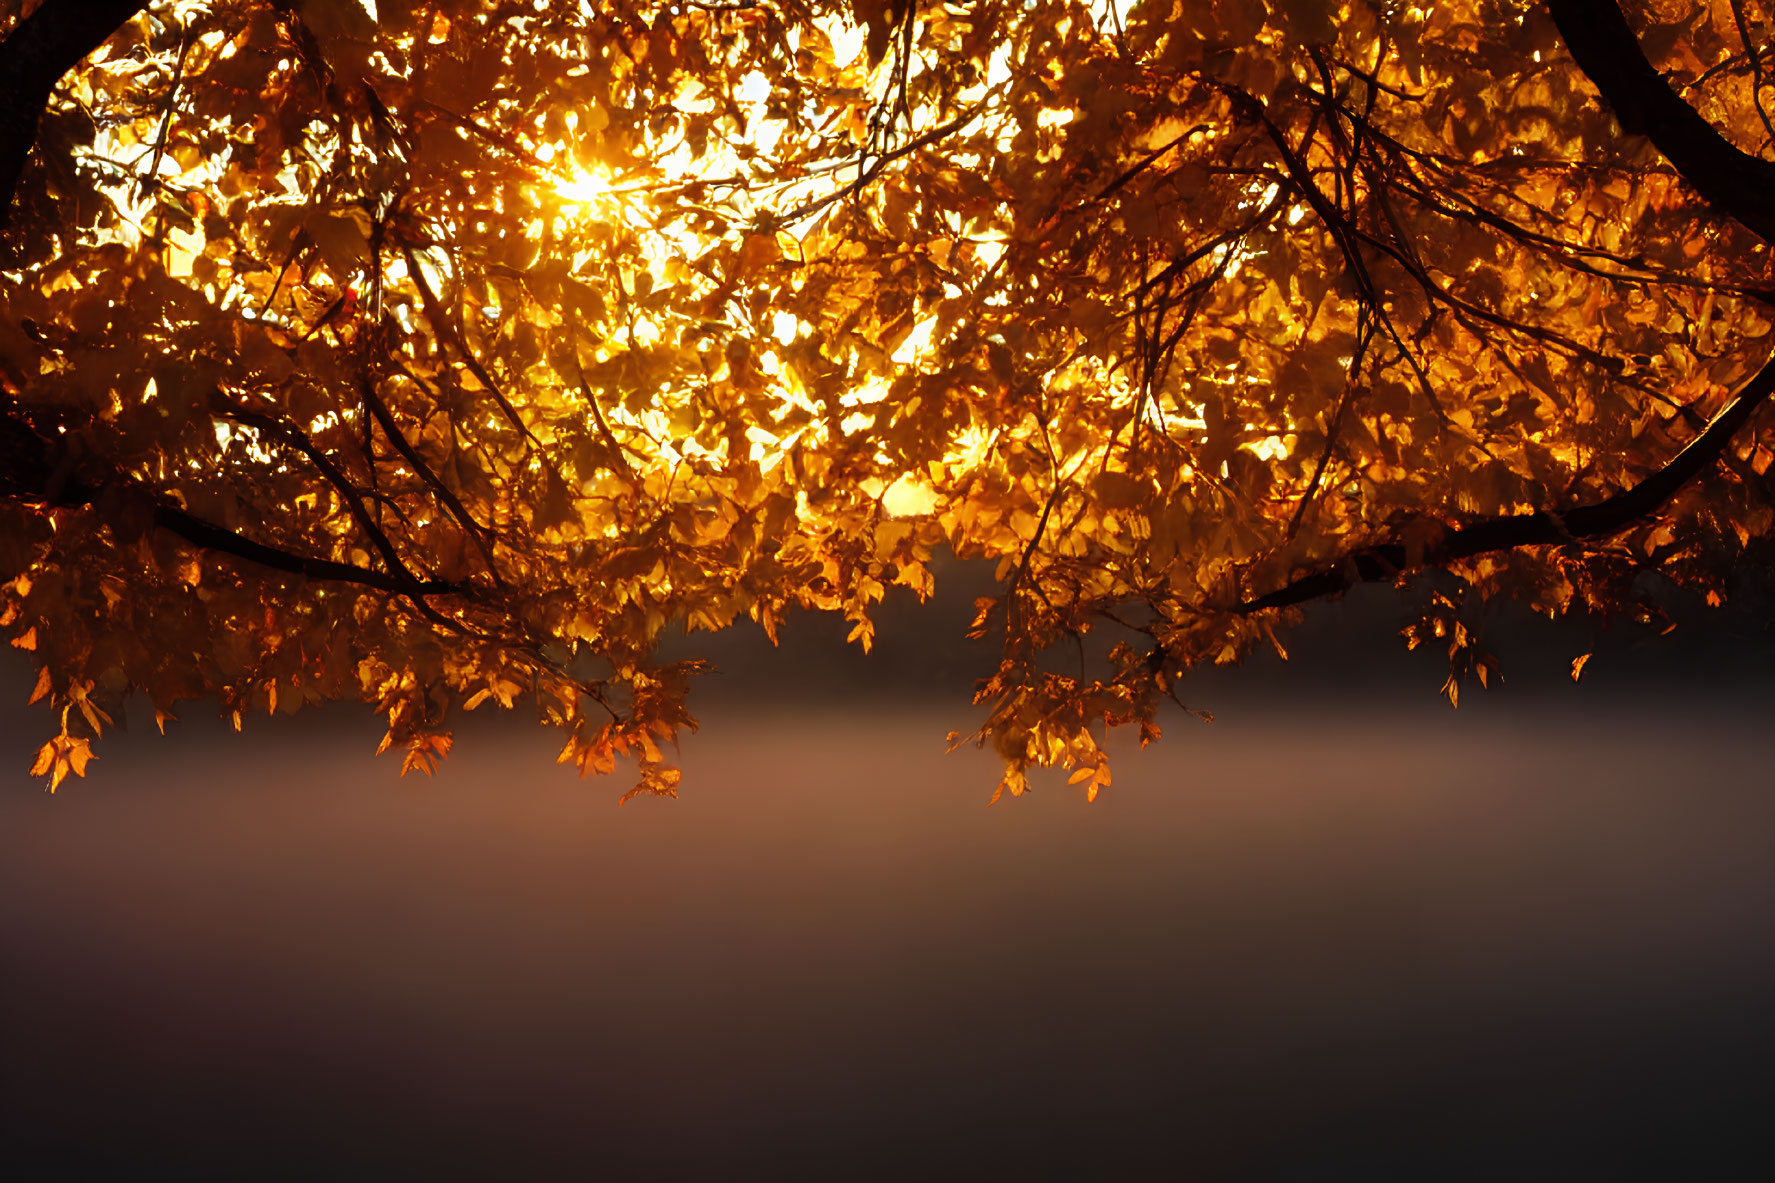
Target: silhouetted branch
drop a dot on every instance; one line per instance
(210, 536)
(33, 469)
(1605, 48)
(1541, 528)
(440, 324)
(480, 535)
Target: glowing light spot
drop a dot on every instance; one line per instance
(972, 446)
(1270, 447)
(753, 88)
(989, 251)
(909, 497)
(915, 343)
(584, 188)
(872, 391)
(998, 70)
(847, 40)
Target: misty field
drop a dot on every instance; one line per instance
(1379, 937)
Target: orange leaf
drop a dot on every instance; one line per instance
(45, 759)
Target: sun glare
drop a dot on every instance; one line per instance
(737, 177)
(584, 187)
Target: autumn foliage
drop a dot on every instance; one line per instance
(447, 356)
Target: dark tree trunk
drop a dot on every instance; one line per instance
(1734, 182)
(44, 47)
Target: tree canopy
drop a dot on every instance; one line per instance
(442, 352)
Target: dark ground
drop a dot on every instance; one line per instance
(1342, 933)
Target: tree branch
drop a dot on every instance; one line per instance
(1606, 49)
(881, 161)
(1541, 528)
(480, 535)
(35, 471)
(209, 536)
(447, 332)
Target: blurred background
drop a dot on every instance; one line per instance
(1341, 932)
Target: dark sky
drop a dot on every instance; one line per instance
(1343, 932)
